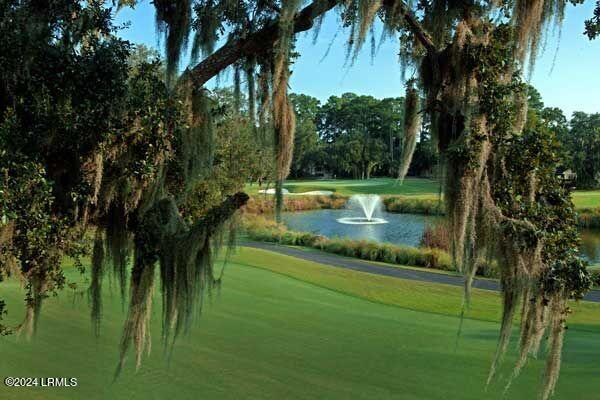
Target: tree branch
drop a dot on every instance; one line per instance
(413, 25)
(255, 43)
(217, 215)
(263, 40)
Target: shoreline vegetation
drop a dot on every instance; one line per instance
(588, 217)
(263, 229)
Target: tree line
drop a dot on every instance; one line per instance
(359, 136)
(579, 138)
(354, 136)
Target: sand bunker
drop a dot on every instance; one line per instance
(287, 192)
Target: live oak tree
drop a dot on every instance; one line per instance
(129, 163)
(95, 141)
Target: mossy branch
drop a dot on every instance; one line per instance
(209, 224)
(263, 39)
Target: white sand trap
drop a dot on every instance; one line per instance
(314, 193)
(272, 191)
(287, 192)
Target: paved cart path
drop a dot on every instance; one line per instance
(402, 273)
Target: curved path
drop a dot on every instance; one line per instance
(402, 273)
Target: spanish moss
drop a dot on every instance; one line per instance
(412, 123)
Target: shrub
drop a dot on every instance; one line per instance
(595, 276)
(436, 236)
(264, 204)
(413, 205)
(262, 229)
(588, 218)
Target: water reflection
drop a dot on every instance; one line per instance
(401, 228)
(590, 245)
(404, 229)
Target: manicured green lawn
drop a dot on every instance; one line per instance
(586, 198)
(347, 187)
(410, 187)
(282, 328)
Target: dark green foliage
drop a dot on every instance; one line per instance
(592, 25)
(582, 146)
(92, 136)
(95, 290)
(408, 205)
(52, 122)
(361, 136)
(307, 144)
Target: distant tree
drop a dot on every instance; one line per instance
(366, 131)
(306, 140)
(391, 112)
(142, 54)
(582, 144)
(554, 118)
(426, 158)
(534, 99)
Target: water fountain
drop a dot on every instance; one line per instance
(368, 204)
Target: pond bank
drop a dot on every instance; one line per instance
(427, 205)
(261, 229)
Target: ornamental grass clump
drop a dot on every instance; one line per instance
(588, 217)
(412, 205)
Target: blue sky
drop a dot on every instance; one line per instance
(570, 81)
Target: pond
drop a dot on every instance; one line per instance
(405, 229)
(590, 245)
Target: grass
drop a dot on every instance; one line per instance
(283, 328)
(348, 187)
(422, 188)
(586, 198)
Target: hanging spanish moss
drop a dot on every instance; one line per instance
(206, 26)
(137, 322)
(521, 108)
(118, 247)
(7, 259)
(367, 9)
(95, 290)
(284, 119)
(558, 312)
(412, 123)
(185, 260)
(531, 18)
(92, 171)
(237, 88)
(197, 141)
(251, 86)
(479, 111)
(173, 18)
(264, 98)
